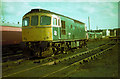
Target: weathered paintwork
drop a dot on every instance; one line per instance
(38, 32)
(73, 29)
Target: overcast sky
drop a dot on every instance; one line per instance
(102, 14)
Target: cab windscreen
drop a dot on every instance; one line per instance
(45, 20)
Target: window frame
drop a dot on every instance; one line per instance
(71, 26)
(56, 21)
(40, 20)
(63, 31)
(28, 21)
(63, 24)
(37, 20)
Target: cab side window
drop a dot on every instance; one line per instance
(58, 22)
(63, 24)
(63, 27)
(54, 21)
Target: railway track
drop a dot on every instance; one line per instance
(80, 58)
(12, 53)
(69, 61)
(12, 56)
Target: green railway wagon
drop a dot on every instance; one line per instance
(91, 35)
(98, 35)
(45, 30)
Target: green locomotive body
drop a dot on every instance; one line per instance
(69, 30)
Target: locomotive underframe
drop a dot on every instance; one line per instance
(48, 48)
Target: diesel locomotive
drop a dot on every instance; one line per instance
(45, 33)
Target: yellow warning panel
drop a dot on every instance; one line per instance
(37, 34)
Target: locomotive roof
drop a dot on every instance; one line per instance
(47, 11)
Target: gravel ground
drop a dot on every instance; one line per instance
(104, 66)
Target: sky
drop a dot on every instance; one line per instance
(103, 15)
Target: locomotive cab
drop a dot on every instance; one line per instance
(40, 27)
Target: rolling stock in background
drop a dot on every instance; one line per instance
(11, 33)
(11, 37)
